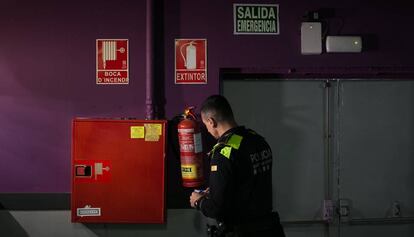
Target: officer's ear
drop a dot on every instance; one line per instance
(213, 122)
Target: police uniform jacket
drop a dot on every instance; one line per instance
(240, 178)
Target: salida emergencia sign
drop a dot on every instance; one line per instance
(262, 19)
(112, 61)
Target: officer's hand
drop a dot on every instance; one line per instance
(194, 197)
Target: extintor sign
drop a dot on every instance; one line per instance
(190, 61)
(112, 61)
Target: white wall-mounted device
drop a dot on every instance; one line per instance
(311, 38)
(343, 44)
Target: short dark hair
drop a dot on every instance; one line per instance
(217, 107)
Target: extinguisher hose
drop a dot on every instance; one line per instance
(173, 135)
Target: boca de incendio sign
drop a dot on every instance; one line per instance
(112, 66)
(260, 19)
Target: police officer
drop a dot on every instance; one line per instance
(240, 192)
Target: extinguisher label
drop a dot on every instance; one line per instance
(186, 130)
(189, 171)
(186, 147)
(198, 146)
(186, 141)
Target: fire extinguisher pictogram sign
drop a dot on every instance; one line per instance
(190, 61)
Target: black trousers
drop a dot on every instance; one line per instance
(268, 226)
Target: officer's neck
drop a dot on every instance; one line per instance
(224, 127)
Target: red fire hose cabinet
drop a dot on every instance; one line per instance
(118, 171)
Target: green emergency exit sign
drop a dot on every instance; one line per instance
(262, 19)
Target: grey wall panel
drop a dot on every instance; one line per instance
(373, 156)
(376, 147)
(289, 114)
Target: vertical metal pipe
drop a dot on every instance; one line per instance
(149, 60)
(327, 145)
(338, 139)
(327, 142)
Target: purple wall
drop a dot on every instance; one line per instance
(47, 66)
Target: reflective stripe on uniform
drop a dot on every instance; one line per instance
(214, 148)
(233, 142)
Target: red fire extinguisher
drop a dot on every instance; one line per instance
(191, 156)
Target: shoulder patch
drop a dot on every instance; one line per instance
(235, 141)
(226, 151)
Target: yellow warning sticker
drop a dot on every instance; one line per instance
(137, 132)
(153, 128)
(152, 138)
(189, 171)
(153, 131)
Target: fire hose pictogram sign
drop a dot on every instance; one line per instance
(92, 171)
(112, 61)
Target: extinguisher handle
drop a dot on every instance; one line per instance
(189, 111)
